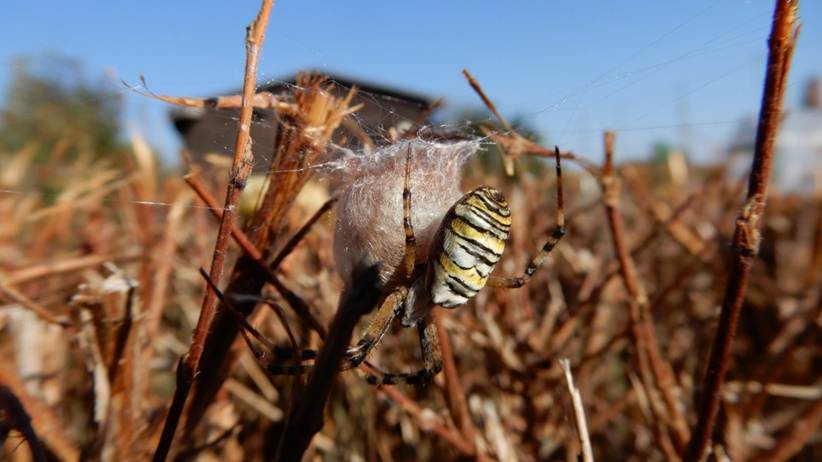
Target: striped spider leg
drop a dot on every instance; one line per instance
(539, 259)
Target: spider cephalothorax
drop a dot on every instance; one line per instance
(447, 264)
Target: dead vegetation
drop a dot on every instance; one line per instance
(101, 289)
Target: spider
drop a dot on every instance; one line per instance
(465, 248)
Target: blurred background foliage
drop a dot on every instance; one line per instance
(54, 107)
(489, 157)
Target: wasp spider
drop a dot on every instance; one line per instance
(463, 252)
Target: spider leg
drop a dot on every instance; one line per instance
(431, 355)
(354, 356)
(263, 356)
(410, 256)
(300, 234)
(377, 328)
(539, 259)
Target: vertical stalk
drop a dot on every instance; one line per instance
(746, 233)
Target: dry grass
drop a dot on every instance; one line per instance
(101, 291)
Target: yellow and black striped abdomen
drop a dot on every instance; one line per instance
(473, 238)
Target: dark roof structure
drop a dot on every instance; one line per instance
(211, 131)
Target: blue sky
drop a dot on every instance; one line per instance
(682, 72)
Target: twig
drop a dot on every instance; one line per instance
(299, 235)
(163, 266)
(18, 297)
(253, 400)
(485, 99)
(802, 430)
(307, 418)
(746, 234)
(240, 169)
(655, 371)
(257, 256)
(427, 420)
(455, 395)
(56, 267)
(590, 300)
(579, 412)
(515, 145)
(42, 418)
(301, 138)
(806, 392)
(14, 415)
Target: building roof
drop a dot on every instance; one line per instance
(183, 117)
(346, 82)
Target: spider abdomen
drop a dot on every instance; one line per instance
(473, 238)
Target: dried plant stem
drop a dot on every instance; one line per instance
(307, 417)
(456, 396)
(257, 256)
(515, 145)
(566, 329)
(57, 267)
(746, 233)
(485, 99)
(240, 169)
(801, 431)
(14, 415)
(163, 266)
(302, 136)
(41, 417)
(655, 371)
(15, 296)
(579, 412)
(427, 420)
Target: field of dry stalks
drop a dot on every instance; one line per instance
(102, 284)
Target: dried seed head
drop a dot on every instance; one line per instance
(369, 226)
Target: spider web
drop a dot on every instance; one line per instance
(574, 118)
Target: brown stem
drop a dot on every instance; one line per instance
(455, 396)
(655, 371)
(15, 296)
(240, 169)
(801, 431)
(302, 136)
(56, 267)
(307, 418)
(57, 441)
(14, 415)
(430, 421)
(513, 144)
(257, 256)
(746, 234)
